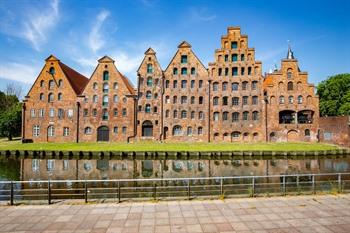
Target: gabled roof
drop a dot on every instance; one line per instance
(105, 59)
(76, 80)
(184, 44)
(150, 51)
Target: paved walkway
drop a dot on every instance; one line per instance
(277, 214)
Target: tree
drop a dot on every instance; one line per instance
(334, 94)
(10, 121)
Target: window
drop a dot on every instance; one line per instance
(183, 84)
(175, 72)
(51, 131)
(254, 85)
(242, 70)
(94, 112)
(156, 81)
(235, 116)
(224, 86)
(88, 130)
(149, 82)
(148, 95)
(155, 109)
(282, 99)
(226, 71)
(124, 130)
(216, 116)
(95, 98)
(36, 131)
(148, 108)
(242, 57)
(183, 114)
(291, 99)
(234, 86)
(225, 116)
(184, 99)
(200, 84)
(124, 112)
(85, 112)
(115, 112)
(59, 96)
(193, 100)
(225, 100)
(32, 113)
(115, 86)
(70, 113)
(60, 83)
(149, 68)
(41, 112)
(183, 59)
(200, 100)
(233, 44)
(290, 86)
(192, 83)
(52, 112)
(183, 70)
(42, 83)
(105, 75)
(289, 73)
(65, 131)
(219, 71)
(167, 112)
(245, 116)
(175, 114)
(116, 99)
(115, 129)
(177, 130)
(200, 115)
(307, 132)
(189, 131)
(300, 99)
(244, 85)
(236, 135)
(94, 86)
(52, 70)
(175, 84)
(193, 114)
(193, 71)
(104, 114)
(174, 99)
(226, 57)
(50, 98)
(234, 57)
(105, 101)
(235, 101)
(41, 97)
(254, 100)
(234, 71)
(245, 100)
(200, 130)
(60, 113)
(255, 116)
(167, 99)
(216, 101)
(167, 84)
(105, 88)
(249, 70)
(215, 86)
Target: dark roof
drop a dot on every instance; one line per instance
(76, 80)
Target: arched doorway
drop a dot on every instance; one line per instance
(273, 137)
(103, 134)
(147, 129)
(166, 129)
(292, 136)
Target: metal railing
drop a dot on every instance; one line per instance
(171, 188)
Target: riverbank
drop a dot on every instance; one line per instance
(321, 213)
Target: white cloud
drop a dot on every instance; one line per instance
(19, 72)
(95, 41)
(34, 25)
(201, 14)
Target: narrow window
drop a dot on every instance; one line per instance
(175, 72)
(300, 99)
(59, 96)
(193, 71)
(51, 84)
(245, 100)
(234, 57)
(215, 86)
(65, 131)
(183, 71)
(183, 114)
(290, 86)
(51, 131)
(233, 44)
(105, 101)
(183, 84)
(148, 108)
(50, 98)
(105, 75)
(36, 131)
(149, 68)
(189, 131)
(234, 71)
(175, 84)
(105, 88)
(183, 59)
(149, 82)
(104, 114)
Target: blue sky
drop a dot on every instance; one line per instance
(79, 32)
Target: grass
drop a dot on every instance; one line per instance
(156, 146)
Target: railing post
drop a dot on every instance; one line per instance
(49, 192)
(313, 184)
(253, 186)
(188, 190)
(11, 193)
(298, 183)
(86, 192)
(155, 191)
(221, 187)
(339, 183)
(284, 185)
(119, 192)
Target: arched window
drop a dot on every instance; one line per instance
(216, 116)
(59, 96)
(115, 86)
(226, 71)
(183, 59)
(105, 75)
(104, 114)
(94, 86)
(177, 130)
(291, 99)
(87, 130)
(95, 98)
(167, 84)
(36, 130)
(115, 112)
(235, 117)
(235, 135)
(200, 130)
(234, 57)
(174, 99)
(116, 99)
(201, 115)
(50, 97)
(105, 100)
(254, 85)
(300, 99)
(52, 70)
(254, 100)
(42, 83)
(147, 129)
(105, 88)
(193, 113)
(249, 70)
(183, 70)
(245, 116)
(233, 44)
(193, 71)
(51, 84)
(255, 115)
(167, 112)
(148, 108)
(216, 101)
(193, 100)
(192, 83)
(149, 82)
(175, 114)
(183, 114)
(289, 73)
(234, 71)
(41, 96)
(224, 86)
(51, 131)
(234, 86)
(235, 101)
(167, 99)
(155, 109)
(175, 84)
(225, 100)
(200, 100)
(225, 116)
(215, 86)
(60, 83)
(148, 95)
(290, 86)
(175, 72)
(242, 57)
(281, 99)
(189, 131)
(219, 71)
(307, 132)
(244, 85)
(149, 68)
(242, 71)
(183, 84)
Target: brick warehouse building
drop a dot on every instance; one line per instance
(228, 101)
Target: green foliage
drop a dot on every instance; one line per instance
(10, 121)
(334, 95)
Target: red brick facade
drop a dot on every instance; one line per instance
(228, 101)
(335, 130)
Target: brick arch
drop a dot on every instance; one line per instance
(292, 136)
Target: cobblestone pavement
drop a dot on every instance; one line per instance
(326, 213)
